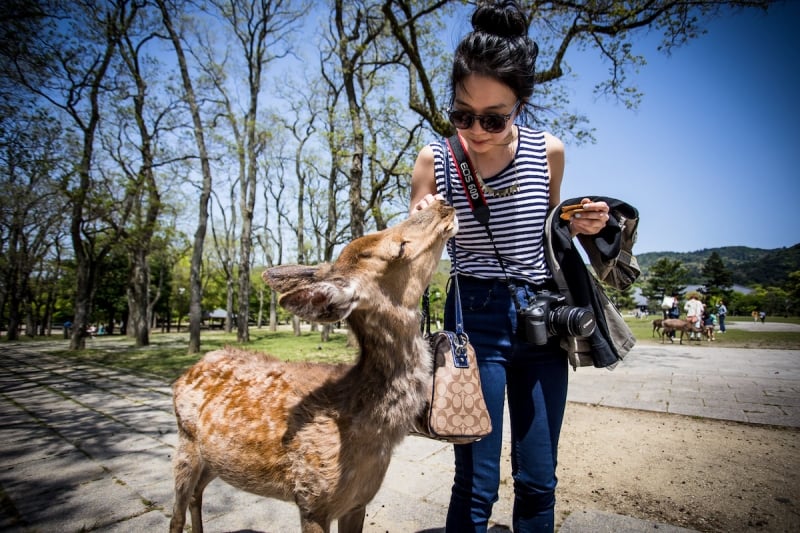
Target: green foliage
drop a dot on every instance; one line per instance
(718, 279)
(773, 268)
(665, 277)
(623, 299)
(749, 266)
(167, 357)
(772, 274)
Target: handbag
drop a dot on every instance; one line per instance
(456, 411)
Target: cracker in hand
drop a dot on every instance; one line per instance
(568, 210)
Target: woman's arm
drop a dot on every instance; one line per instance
(594, 216)
(423, 182)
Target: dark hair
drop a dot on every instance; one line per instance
(498, 47)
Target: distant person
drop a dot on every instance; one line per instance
(674, 312)
(694, 313)
(67, 328)
(722, 312)
(708, 324)
(754, 314)
(763, 316)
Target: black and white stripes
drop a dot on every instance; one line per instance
(517, 220)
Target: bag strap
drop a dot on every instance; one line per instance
(426, 305)
(459, 315)
(476, 199)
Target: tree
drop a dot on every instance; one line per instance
(718, 279)
(199, 133)
(31, 214)
(79, 48)
(621, 298)
(666, 277)
(145, 112)
(260, 27)
(558, 26)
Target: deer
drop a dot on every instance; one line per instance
(657, 326)
(676, 324)
(319, 435)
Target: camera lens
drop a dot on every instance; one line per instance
(569, 320)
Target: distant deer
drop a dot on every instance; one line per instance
(676, 324)
(657, 326)
(318, 435)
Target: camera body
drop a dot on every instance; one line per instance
(548, 315)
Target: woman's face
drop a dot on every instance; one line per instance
(482, 96)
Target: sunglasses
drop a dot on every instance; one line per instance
(491, 123)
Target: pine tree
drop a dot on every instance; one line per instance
(666, 277)
(718, 279)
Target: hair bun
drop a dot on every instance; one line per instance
(504, 19)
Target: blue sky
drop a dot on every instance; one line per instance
(712, 155)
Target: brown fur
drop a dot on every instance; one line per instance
(656, 327)
(318, 435)
(676, 324)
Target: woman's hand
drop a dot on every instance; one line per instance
(426, 200)
(591, 219)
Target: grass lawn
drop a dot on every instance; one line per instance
(734, 337)
(166, 356)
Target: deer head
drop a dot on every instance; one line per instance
(392, 267)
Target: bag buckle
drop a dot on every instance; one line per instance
(459, 343)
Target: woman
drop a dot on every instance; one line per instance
(520, 172)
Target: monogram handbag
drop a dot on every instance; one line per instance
(456, 411)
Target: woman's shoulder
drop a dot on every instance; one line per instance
(540, 136)
(554, 144)
(541, 141)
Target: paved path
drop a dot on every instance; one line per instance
(87, 448)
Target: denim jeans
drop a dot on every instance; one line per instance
(535, 380)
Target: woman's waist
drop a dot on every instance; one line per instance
(504, 283)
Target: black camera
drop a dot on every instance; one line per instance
(549, 315)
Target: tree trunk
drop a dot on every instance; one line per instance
(273, 310)
(139, 298)
(195, 287)
(229, 306)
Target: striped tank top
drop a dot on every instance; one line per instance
(517, 220)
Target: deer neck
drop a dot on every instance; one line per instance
(392, 374)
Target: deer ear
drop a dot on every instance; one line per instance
(287, 277)
(321, 301)
(309, 294)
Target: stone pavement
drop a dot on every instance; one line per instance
(88, 448)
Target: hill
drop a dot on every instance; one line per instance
(750, 266)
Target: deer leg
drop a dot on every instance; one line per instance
(353, 522)
(196, 503)
(314, 522)
(187, 470)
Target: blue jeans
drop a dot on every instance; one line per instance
(535, 380)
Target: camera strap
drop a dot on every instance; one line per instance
(477, 202)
